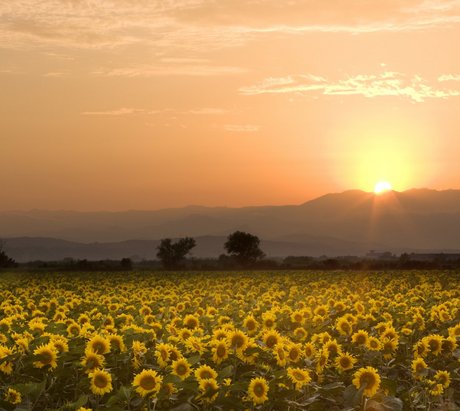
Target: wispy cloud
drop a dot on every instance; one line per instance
(208, 111)
(202, 25)
(242, 128)
(173, 113)
(171, 70)
(449, 77)
(124, 111)
(385, 84)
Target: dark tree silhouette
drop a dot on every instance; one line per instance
(172, 254)
(244, 247)
(5, 261)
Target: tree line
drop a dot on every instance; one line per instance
(242, 247)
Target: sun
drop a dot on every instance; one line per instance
(382, 187)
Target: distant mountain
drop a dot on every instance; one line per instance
(351, 222)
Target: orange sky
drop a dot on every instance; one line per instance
(139, 104)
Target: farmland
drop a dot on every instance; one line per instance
(249, 340)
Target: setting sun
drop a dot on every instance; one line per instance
(382, 187)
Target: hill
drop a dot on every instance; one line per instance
(351, 222)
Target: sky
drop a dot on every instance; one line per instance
(141, 104)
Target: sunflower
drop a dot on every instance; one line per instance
(269, 320)
(455, 331)
(98, 344)
(368, 378)
(250, 354)
(345, 362)
(237, 340)
(60, 343)
(205, 372)
(147, 382)
(420, 349)
(443, 377)
(294, 352)
(449, 345)
(6, 367)
(73, 330)
(279, 352)
(209, 389)
(181, 368)
(333, 347)
(374, 344)
(437, 390)
(309, 350)
(360, 337)
(389, 348)
(116, 342)
(250, 324)
(91, 361)
(300, 333)
(195, 345)
(297, 317)
(434, 343)
(299, 377)
(220, 334)
(258, 390)
(101, 382)
(184, 334)
(219, 351)
(162, 354)
(419, 368)
(271, 338)
(191, 321)
(46, 355)
(12, 396)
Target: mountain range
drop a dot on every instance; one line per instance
(348, 223)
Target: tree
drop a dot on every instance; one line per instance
(172, 254)
(244, 247)
(5, 261)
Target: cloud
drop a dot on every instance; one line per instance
(204, 25)
(208, 111)
(449, 77)
(124, 111)
(375, 85)
(171, 70)
(128, 111)
(242, 128)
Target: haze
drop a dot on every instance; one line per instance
(136, 104)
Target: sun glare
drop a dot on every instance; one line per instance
(382, 187)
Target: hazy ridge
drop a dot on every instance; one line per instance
(351, 222)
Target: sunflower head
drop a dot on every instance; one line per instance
(258, 390)
(368, 378)
(345, 362)
(100, 382)
(98, 344)
(205, 372)
(299, 377)
(147, 382)
(46, 356)
(12, 396)
(181, 368)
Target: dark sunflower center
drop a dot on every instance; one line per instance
(46, 357)
(98, 347)
(148, 382)
(100, 381)
(298, 376)
(221, 351)
(205, 374)
(259, 390)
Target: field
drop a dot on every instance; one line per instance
(230, 341)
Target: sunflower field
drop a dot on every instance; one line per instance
(230, 341)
